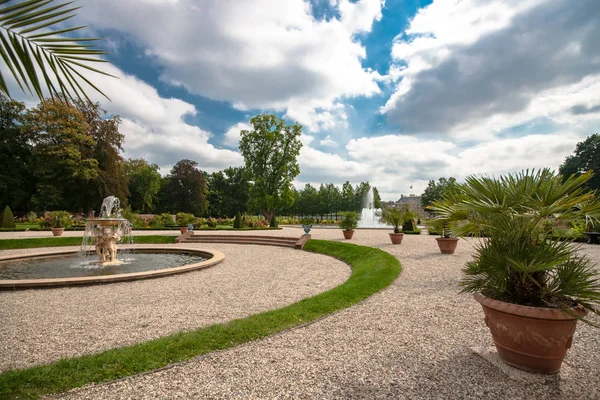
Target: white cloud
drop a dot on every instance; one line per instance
(474, 68)
(232, 136)
(266, 54)
(328, 142)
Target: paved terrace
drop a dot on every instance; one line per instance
(418, 339)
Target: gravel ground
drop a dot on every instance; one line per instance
(40, 326)
(418, 339)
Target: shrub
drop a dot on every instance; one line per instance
(211, 222)
(394, 216)
(184, 219)
(133, 219)
(7, 219)
(306, 221)
(349, 220)
(273, 222)
(237, 222)
(31, 217)
(57, 219)
(408, 225)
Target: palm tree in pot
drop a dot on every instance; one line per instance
(533, 289)
(348, 223)
(396, 216)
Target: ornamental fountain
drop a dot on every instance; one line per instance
(105, 232)
(369, 215)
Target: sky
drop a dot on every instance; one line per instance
(394, 92)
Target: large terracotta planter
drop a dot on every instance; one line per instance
(183, 229)
(57, 231)
(348, 234)
(533, 339)
(447, 245)
(396, 237)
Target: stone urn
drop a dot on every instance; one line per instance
(57, 231)
(348, 233)
(307, 228)
(396, 237)
(533, 339)
(447, 245)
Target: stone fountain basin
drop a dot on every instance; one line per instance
(213, 257)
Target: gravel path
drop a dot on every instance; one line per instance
(40, 326)
(418, 339)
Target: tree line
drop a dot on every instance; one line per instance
(68, 155)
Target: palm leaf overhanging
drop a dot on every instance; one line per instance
(38, 56)
(519, 262)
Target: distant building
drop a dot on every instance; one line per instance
(414, 203)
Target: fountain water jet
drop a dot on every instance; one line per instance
(105, 232)
(369, 215)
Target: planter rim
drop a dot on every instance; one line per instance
(397, 234)
(446, 239)
(528, 311)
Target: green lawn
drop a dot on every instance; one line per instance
(372, 270)
(6, 244)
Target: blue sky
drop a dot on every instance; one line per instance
(395, 92)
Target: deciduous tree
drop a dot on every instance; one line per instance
(271, 152)
(586, 158)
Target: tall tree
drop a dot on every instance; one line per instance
(144, 184)
(63, 156)
(435, 191)
(185, 189)
(271, 152)
(30, 44)
(376, 198)
(237, 191)
(16, 178)
(586, 157)
(108, 144)
(347, 200)
(360, 194)
(308, 201)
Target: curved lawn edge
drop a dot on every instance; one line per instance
(372, 271)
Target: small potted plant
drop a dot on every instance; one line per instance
(533, 288)
(307, 224)
(445, 241)
(183, 220)
(395, 216)
(57, 221)
(348, 223)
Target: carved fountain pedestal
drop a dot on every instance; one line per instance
(106, 234)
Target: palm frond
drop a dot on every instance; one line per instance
(38, 57)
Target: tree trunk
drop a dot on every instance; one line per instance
(268, 214)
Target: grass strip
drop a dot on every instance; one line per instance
(372, 270)
(7, 244)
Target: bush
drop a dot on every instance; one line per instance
(349, 220)
(237, 222)
(273, 222)
(57, 219)
(31, 217)
(211, 222)
(7, 219)
(184, 219)
(408, 226)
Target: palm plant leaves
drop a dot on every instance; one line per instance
(39, 58)
(518, 262)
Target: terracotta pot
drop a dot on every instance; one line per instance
(348, 234)
(396, 237)
(447, 245)
(533, 339)
(57, 231)
(183, 229)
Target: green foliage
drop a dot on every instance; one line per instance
(273, 223)
(270, 151)
(33, 41)
(396, 215)
(184, 189)
(349, 220)
(519, 262)
(586, 158)
(7, 219)
(435, 191)
(184, 219)
(31, 217)
(372, 271)
(58, 219)
(144, 183)
(306, 221)
(135, 220)
(228, 192)
(408, 225)
(211, 222)
(237, 223)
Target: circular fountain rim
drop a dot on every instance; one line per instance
(215, 257)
